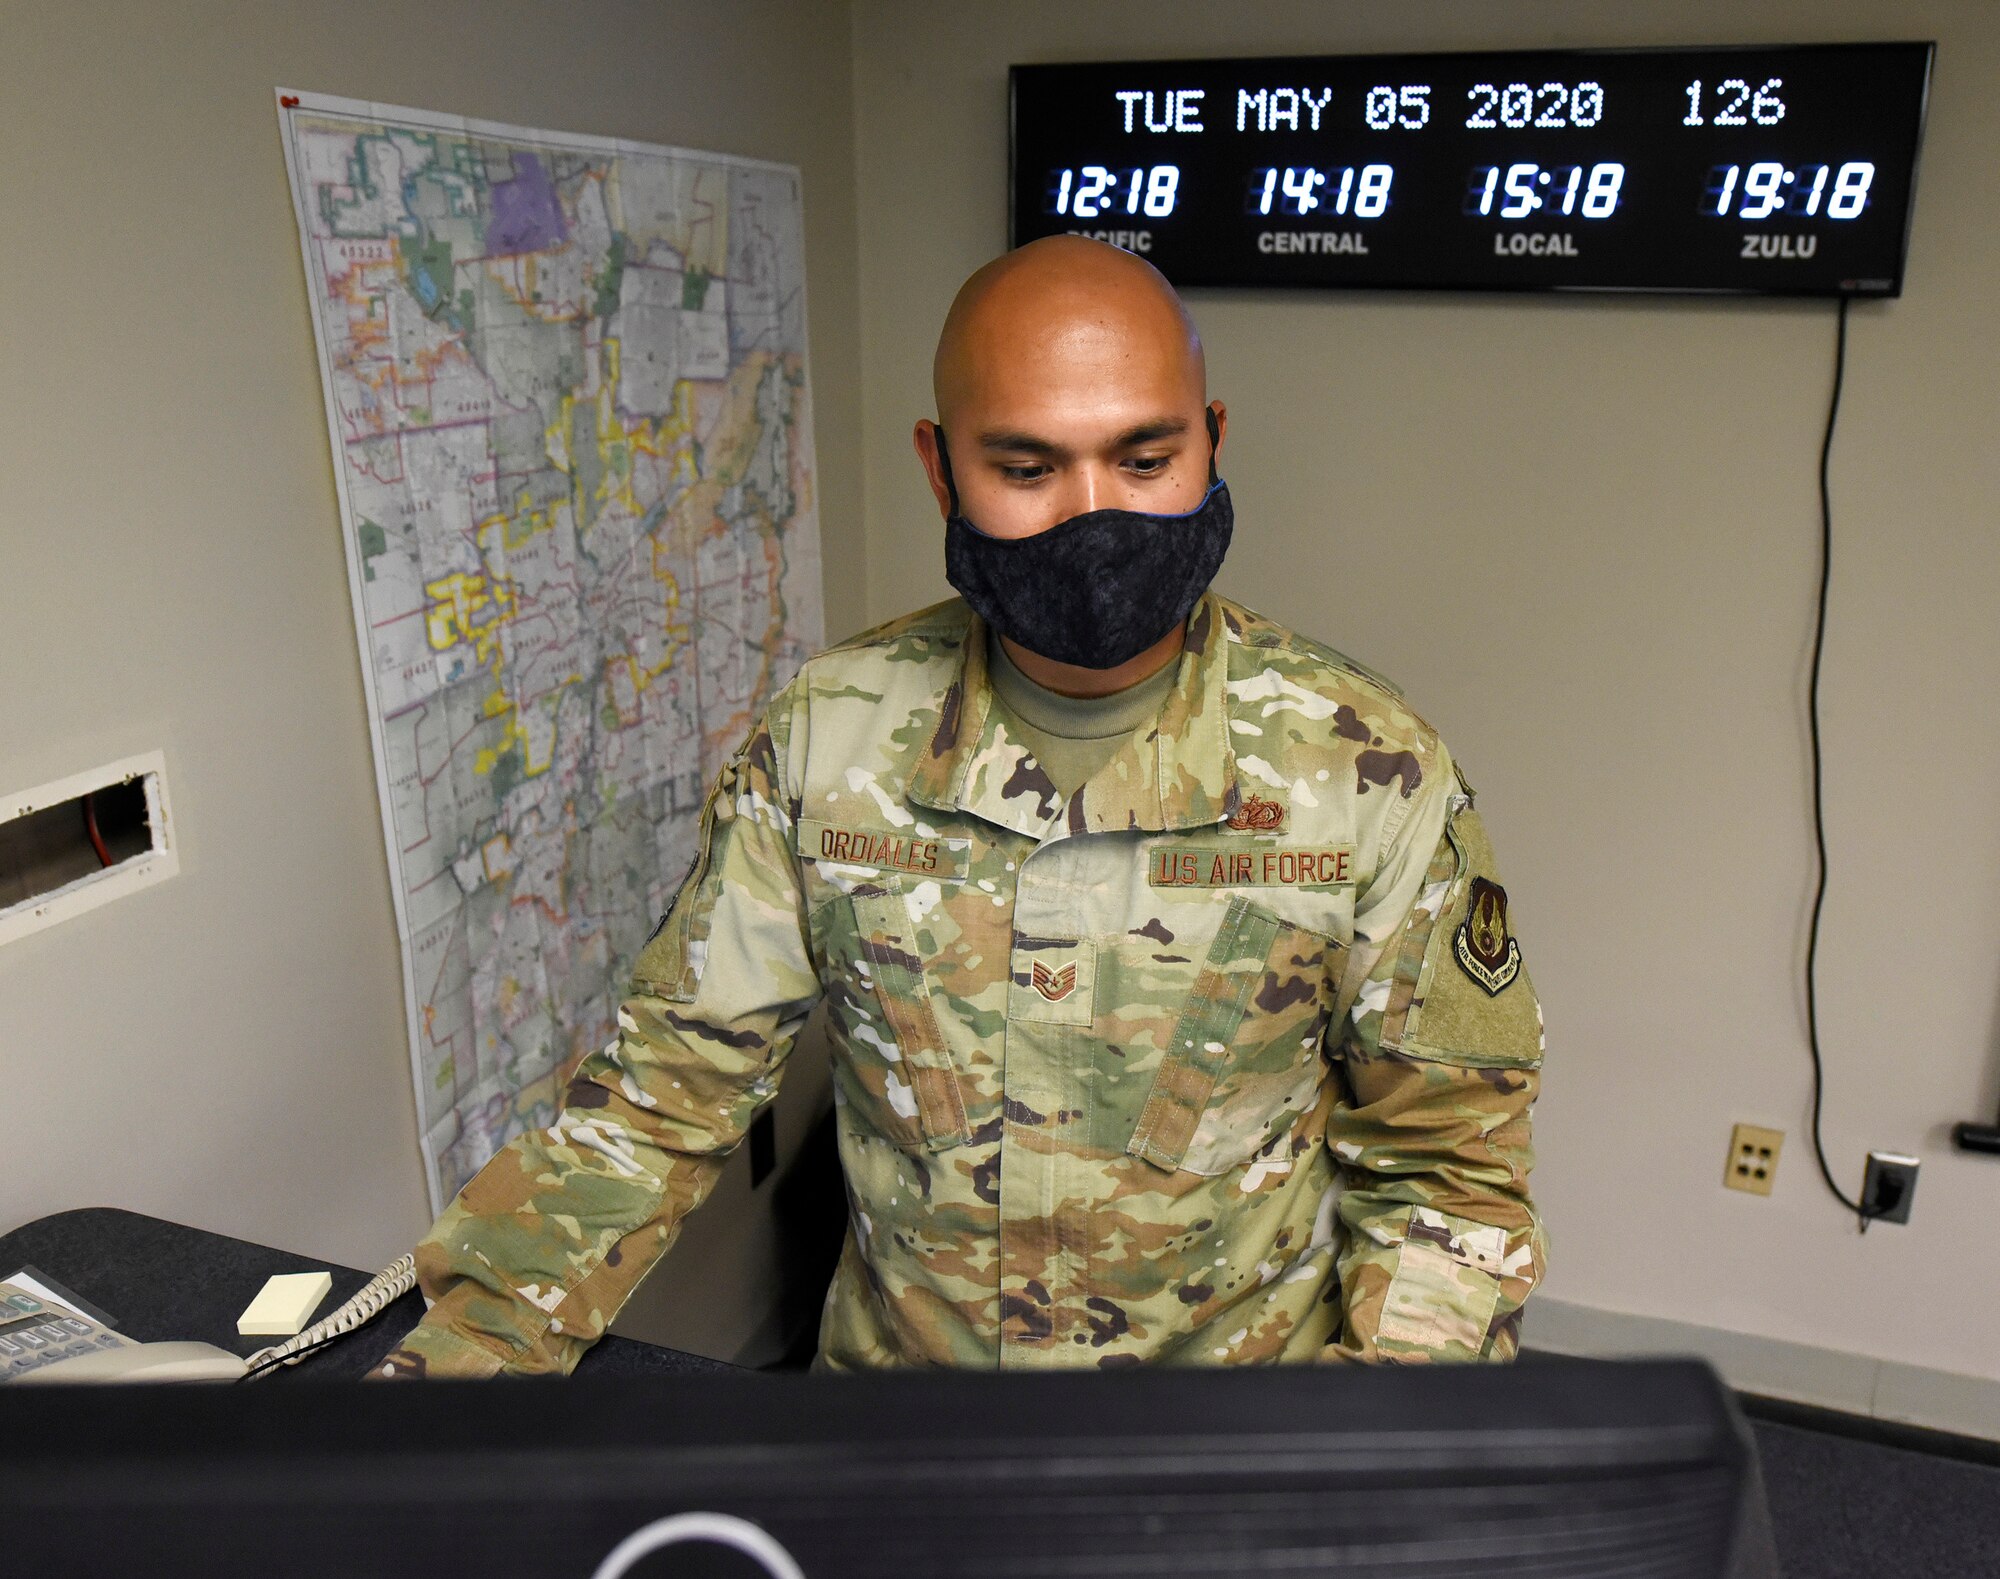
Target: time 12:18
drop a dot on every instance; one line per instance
(1090, 190)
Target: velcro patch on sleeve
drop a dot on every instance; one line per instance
(1474, 1003)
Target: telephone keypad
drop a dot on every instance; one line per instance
(34, 1333)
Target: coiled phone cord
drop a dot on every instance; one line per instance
(382, 1290)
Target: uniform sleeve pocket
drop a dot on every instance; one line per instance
(1244, 1057)
(1444, 1290)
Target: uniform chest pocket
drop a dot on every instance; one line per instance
(899, 1067)
(1244, 1061)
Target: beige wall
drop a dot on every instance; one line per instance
(229, 1048)
(1583, 534)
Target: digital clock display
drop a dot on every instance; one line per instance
(1784, 170)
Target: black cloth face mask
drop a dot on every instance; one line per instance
(1099, 588)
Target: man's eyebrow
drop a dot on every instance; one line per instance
(1148, 432)
(1012, 441)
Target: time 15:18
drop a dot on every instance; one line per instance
(1525, 188)
(1090, 190)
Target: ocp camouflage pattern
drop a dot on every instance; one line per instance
(1186, 1069)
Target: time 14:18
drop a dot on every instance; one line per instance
(1303, 189)
(1090, 190)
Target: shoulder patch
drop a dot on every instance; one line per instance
(1485, 952)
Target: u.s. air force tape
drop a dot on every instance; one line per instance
(944, 859)
(1171, 866)
(1257, 866)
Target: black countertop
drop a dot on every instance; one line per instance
(157, 1281)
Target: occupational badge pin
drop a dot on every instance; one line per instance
(1485, 952)
(1054, 985)
(1257, 815)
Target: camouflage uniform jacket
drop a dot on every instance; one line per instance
(1227, 1060)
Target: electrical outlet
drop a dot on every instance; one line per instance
(1753, 1158)
(1888, 1187)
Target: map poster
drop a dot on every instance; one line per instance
(566, 389)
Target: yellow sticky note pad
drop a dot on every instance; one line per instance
(284, 1305)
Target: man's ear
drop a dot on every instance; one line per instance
(1221, 427)
(926, 440)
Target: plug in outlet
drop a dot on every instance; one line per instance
(1888, 1187)
(1753, 1158)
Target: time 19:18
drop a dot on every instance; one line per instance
(1769, 187)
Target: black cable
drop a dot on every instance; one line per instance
(269, 1366)
(1818, 803)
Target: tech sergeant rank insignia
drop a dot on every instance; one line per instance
(1054, 985)
(1485, 952)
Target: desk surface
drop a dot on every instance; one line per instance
(158, 1281)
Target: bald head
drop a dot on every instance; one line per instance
(1069, 378)
(1064, 308)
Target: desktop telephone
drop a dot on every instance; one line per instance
(44, 1340)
